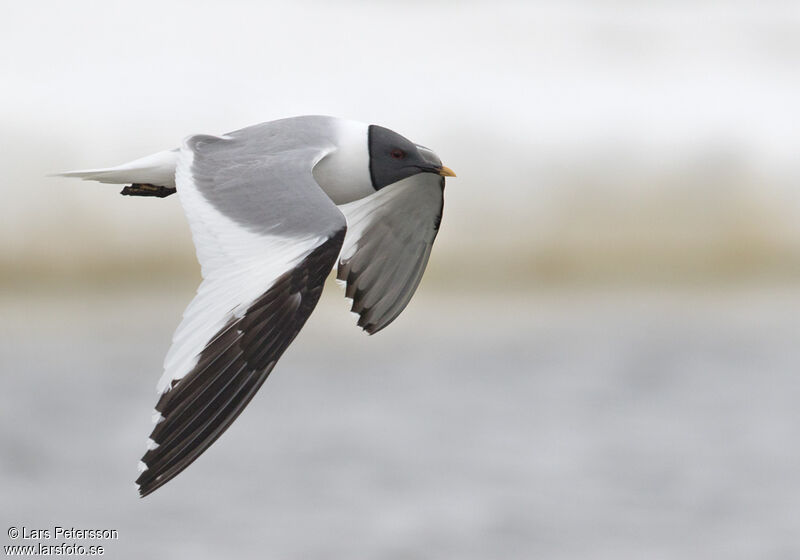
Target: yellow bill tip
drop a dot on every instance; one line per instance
(445, 171)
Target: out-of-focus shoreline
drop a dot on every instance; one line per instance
(534, 272)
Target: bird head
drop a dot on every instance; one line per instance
(393, 157)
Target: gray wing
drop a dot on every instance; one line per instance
(389, 239)
(266, 237)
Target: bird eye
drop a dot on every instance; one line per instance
(398, 154)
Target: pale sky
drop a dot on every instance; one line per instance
(504, 92)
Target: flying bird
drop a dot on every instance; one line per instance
(272, 208)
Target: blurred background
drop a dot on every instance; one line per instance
(601, 360)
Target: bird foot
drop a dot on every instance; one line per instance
(146, 189)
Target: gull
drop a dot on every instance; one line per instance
(272, 209)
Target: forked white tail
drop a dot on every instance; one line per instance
(156, 169)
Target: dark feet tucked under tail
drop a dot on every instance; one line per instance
(145, 189)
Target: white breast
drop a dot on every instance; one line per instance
(344, 173)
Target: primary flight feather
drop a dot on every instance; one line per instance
(272, 207)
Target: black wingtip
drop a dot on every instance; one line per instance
(144, 492)
(372, 328)
(146, 484)
(201, 405)
(141, 488)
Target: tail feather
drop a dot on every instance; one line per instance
(156, 169)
